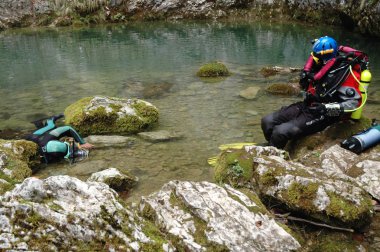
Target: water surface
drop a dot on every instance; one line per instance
(44, 70)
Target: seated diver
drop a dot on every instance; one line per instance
(51, 148)
(330, 79)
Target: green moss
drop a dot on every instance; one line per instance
(145, 111)
(99, 121)
(269, 178)
(303, 195)
(347, 211)
(259, 208)
(234, 167)
(213, 69)
(158, 237)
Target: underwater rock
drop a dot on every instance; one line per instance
(156, 90)
(284, 89)
(213, 69)
(63, 213)
(109, 141)
(249, 93)
(114, 178)
(159, 136)
(274, 70)
(206, 217)
(104, 115)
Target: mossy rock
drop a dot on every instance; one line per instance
(234, 167)
(108, 115)
(283, 89)
(213, 69)
(17, 158)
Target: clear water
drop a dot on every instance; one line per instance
(43, 71)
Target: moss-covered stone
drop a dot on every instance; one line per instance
(17, 158)
(213, 69)
(283, 89)
(104, 115)
(234, 167)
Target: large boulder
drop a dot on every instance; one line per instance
(203, 216)
(310, 191)
(103, 115)
(17, 158)
(62, 213)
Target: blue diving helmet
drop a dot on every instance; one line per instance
(324, 48)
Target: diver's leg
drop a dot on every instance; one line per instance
(49, 126)
(285, 114)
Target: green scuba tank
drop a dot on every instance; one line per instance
(363, 140)
(365, 80)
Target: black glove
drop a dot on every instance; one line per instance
(318, 108)
(304, 79)
(329, 109)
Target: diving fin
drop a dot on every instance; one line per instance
(40, 123)
(234, 146)
(212, 161)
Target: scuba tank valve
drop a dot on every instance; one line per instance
(363, 140)
(365, 79)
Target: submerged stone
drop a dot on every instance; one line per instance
(102, 115)
(206, 217)
(159, 136)
(274, 70)
(284, 89)
(249, 93)
(110, 141)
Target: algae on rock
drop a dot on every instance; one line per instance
(102, 115)
(213, 69)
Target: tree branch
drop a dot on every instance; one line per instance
(286, 216)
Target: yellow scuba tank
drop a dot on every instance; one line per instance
(365, 79)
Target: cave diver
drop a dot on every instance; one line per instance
(331, 79)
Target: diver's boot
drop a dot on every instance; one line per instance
(57, 117)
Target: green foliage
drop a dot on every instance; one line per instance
(213, 69)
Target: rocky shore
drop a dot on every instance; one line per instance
(363, 16)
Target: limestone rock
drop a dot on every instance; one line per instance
(331, 197)
(208, 217)
(284, 89)
(101, 141)
(102, 115)
(62, 213)
(114, 178)
(159, 136)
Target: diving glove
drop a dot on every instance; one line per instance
(329, 109)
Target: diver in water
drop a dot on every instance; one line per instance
(330, 79)
(48, 137)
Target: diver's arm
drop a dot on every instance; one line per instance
(67, 131)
